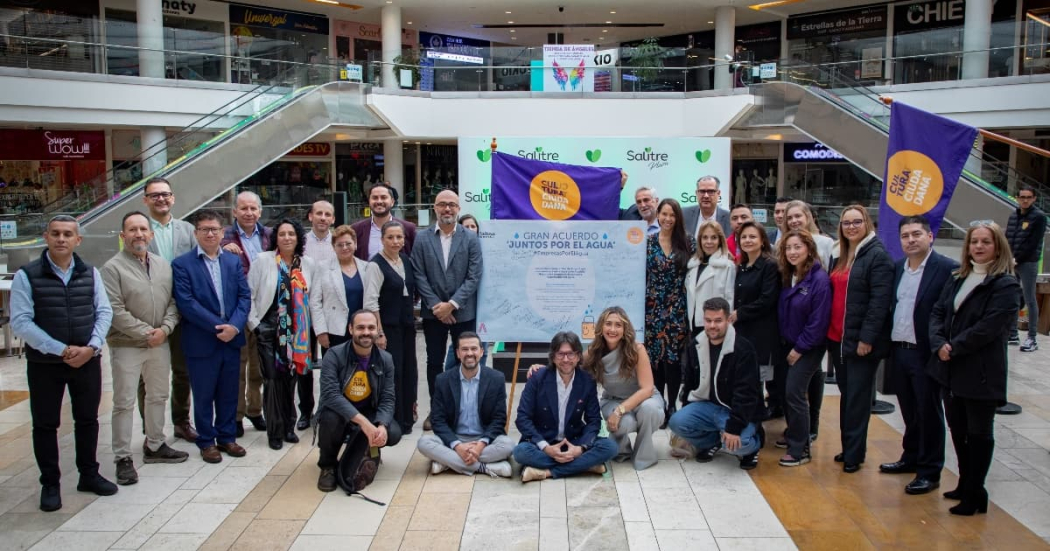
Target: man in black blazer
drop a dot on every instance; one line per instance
(559, 417)
(468, 411)
(919, 279)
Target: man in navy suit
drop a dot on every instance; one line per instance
(213, 298)
(559, 417)
(919, 279)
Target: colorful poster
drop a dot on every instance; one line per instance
(924, 160)
(670, 166)
(524, 189)
(542, 277)
(568, 67)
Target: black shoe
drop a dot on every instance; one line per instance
(291, 438)
(258, 422)
(972, 504)
(749, 461)
(897, 467)
(164, 454)
(850, 467)
(326, 482)
(50, 498)
(126, 474)
(97, 485)
(956, 494)
(304, 422)
(705, 456)
(276, 444)
(840, 458)
(830, 380)
(240, 429)
(921, 486)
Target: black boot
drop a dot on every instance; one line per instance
(975, 498)
(962, 452)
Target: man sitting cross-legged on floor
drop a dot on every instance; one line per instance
(559, 417)
(469, 415)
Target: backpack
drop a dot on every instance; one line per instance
(358, 466)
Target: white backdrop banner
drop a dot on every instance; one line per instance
(541, 277)
(568, 68)
(670, 166)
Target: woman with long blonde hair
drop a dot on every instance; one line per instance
(710, 273)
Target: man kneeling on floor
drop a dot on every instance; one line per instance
(559, 417)
(469, 414)
(357, 398)
(721, 383)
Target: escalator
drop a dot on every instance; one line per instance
(214, 167)
(853, 121)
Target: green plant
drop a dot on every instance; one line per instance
(408, 61)
(648, 59)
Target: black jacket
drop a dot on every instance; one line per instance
(1025, 233)
(756, 296)
(977, 333)
(338, 366)
(737, 385)
(869, 301)
(935, 276)
(492, 404)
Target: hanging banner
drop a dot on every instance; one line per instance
(526, 189)
(568, 67)
(924, 160)
(542, 277)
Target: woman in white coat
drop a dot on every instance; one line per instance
(342, 281)
(711, 273)
(284, 301)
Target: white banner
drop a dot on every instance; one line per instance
(541, 277)
(568, 68)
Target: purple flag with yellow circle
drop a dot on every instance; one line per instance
(924, 160)
(532, 189)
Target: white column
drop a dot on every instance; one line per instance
(151, 36)
(153, 157)
(394, 167)
(725, 27)
(977, 37)
(391, 33)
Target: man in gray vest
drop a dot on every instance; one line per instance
(172, 238)
(139, 284)
(59, 308)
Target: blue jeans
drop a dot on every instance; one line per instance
(451, 361)
(526, 453)
(702, 423)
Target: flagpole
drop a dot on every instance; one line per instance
(993, 136)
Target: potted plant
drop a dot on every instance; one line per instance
(408, 61)
(647, 59)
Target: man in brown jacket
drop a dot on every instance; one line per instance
(139, 284)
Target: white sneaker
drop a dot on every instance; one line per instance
(437, 468)
(1029, 345)
(500, 469)
(529, 474)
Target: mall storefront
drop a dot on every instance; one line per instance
(39, 167)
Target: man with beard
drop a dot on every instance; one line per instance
(139, 285)
(357, 398)
(645, 202)
(447, 265)
(370, 231)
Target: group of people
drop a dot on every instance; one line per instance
(737, 322)
(791, 295)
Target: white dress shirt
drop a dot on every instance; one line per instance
(907, 293)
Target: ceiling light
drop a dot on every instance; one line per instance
(513, 38)
(605, 30)
(772, 4)
(510, 22)
(340, 4)
(710, 22)
(513, 31)
(508, 13)
(327, 2)
(608, 22)
(409, 23)
(613, 11)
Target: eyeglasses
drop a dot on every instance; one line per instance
(565, 355)
(159, 195)
(979, 223)
(441, 206)
(347, 245)
(706, 191)
(210, 231)
(852, 223)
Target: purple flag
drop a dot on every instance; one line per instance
(924, 160)
(526, 189)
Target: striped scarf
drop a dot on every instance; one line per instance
(293, 324)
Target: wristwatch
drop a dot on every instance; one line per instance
(96, 349)
(621, 410)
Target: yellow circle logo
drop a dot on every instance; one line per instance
(554, 195)
(914, 183)
(635, 235)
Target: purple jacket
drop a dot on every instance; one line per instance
(805, 310)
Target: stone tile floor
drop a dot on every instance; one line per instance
(268, 499)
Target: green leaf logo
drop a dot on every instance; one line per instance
(703, 156)
(485, 191)
(594, 155)
(484, 155)
(538, 149)
(648, 150)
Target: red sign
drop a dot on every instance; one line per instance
(311, 149)
(52, 145)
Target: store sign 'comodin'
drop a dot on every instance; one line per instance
(811, 152)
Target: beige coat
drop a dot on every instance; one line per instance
(141, 301)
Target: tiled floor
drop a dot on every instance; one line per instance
(268, 499)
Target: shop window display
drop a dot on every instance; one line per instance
(261, 38)
(203, 41)
(37, 28)
(284, 184)
(850, 43)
